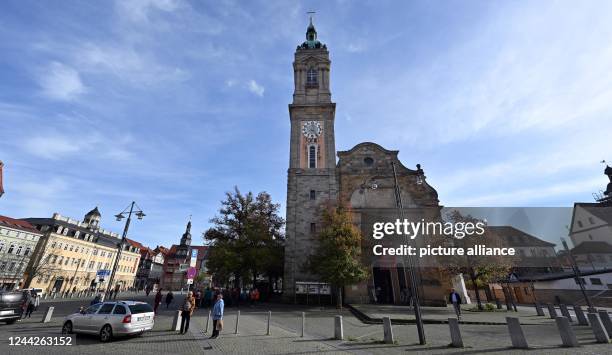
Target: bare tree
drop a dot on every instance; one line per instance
(44, 267)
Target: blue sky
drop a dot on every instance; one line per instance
(172, 103)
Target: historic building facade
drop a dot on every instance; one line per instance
(178, 259)
(18, 240)
(150, 268)
(362, 178)
(75, 255)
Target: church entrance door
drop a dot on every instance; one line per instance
(383, 286)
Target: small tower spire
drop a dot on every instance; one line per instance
(311, 35)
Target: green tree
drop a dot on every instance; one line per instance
(246, 238)
(337, 259)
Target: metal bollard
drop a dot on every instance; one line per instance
(539, 309)
(47, 316)
(176, 321)
(565, 312)
(601, 335)
(387, 330)
(552, 311)
(517, 336)
(237, 321)
(605, 319)
(580, 315)
(303, 324)
(268, 327)
(456, 340)
(207, 322)
(338, 329)
(568, 338)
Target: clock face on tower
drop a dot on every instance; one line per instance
(311, 129)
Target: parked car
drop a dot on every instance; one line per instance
(110, 319)
(11, 306)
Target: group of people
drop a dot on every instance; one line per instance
(190, 303)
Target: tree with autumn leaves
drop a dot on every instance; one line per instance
(337, 258)
(246, 239)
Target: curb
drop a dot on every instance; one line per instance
(369, 320)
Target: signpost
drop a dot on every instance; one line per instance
(194, 257)
(192, 271)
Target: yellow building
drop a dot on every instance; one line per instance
(77, 255)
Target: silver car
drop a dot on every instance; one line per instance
(109, 319)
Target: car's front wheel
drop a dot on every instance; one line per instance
(106, 333)
(67, 328)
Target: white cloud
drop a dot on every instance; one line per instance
(51, 147)
(127, 63)
(523, 196)
(139, 10)
(255, 88)
(61, 82)
(54, 145)
(355, 47)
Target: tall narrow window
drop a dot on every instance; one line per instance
(311, 77)
(313, 228)
(312, 157)
(313, 194)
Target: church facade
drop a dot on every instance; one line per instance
(361, 178)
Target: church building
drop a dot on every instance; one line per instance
(361, 178)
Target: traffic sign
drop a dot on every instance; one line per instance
(191, 272)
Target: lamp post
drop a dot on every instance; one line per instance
(577, 275)
(411, 262)
(139, 214)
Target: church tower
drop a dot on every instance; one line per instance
(312, 181)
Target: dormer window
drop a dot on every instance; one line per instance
(311, 78)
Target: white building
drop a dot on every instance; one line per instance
(18, 240)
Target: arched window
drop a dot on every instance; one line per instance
(312, 156)
(311, 77)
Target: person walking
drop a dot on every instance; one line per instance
(217, 314)
(158, 300)
(28, 304)
(198, 298)
(96, 299)
(455, 299)
(186, 312)
(207, 296)
(169, 298)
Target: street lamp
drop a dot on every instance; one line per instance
(411, 262)
(120, 216)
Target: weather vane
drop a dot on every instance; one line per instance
(311, 13)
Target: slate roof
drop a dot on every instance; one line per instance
(516, 237)
(598, 210)
(18, 224)
(592, 248)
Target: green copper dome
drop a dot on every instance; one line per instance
(311, 38)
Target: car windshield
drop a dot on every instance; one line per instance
(140, 308)
(93, 308)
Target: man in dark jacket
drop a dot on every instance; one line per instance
(455, 299)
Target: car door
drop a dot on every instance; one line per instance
(118, 314)
(80, 322)
(101, 317)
